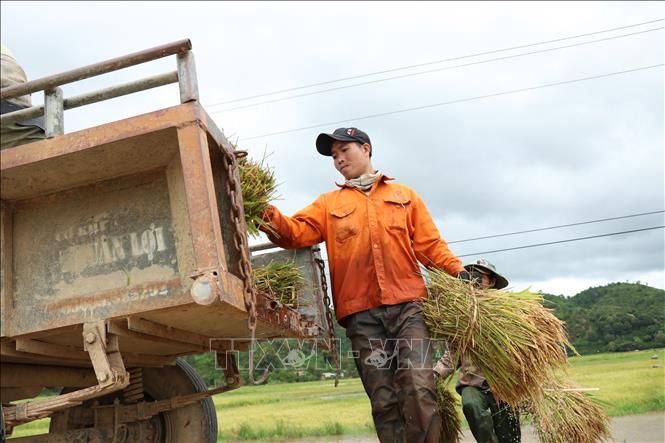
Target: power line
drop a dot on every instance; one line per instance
(462, 100)
(556, 227)
(445, 68)
(562, 241)
(418, 65)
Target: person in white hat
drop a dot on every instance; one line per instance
(489, 420)
(26, 131)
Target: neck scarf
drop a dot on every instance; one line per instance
(365, 181)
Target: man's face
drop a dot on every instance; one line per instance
(488, 281)
(351, 158)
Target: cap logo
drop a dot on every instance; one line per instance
(351, 132)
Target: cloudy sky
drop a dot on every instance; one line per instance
(485, 162)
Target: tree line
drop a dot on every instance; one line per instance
(612, 318)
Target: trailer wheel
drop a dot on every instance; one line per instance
(196, 422)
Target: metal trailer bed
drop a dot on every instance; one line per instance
(124, 247)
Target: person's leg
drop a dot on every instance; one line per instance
(14, 134)
(506, 422)
(367, 332)
(476, 408)
(414, 378)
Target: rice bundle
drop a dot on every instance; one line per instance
(280, 281)
(511, 337)
(564, 414)
(451, 425)
(258, 190)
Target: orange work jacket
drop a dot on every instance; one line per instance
(374, 242)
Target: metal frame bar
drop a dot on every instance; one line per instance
(21, 375)
(95, 69)
(95, 96)
(54, 112)
(102, 350)
(55, 104)
(201, 199)
(263, 247)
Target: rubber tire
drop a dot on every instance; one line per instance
(196, 422)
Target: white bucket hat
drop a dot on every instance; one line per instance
(484, 265)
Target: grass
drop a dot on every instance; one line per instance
(294, 410)
(628, 382)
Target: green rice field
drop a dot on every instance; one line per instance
(629, 383)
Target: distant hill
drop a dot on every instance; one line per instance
(615, 317)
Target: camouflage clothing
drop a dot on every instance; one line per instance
(470, 374)
(489, 421)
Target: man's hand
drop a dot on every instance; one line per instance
(474, 277)
(442, 367)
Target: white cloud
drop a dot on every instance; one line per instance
(570, 286)
(550, 156)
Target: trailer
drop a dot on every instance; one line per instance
(124, 248)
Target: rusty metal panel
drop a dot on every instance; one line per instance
(107, 151)
(92, 165)
(83, 253)
(5, 266)
(95, 240)
(310, 301)
(114, 222)
(201, 202)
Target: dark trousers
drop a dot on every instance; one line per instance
(489, 421)
(391, 349)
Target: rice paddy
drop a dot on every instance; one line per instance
(629, 383)
(517, 343)
(259, 188)
(280, 281)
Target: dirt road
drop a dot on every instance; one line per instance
(647, 428)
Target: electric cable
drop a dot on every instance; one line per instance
(385, 71)
(450, 102)
(563, 241)
(557, 227)
(445, 68)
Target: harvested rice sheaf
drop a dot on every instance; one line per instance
(516, 342)
(451, 424)
(281, 281)
(258, 185)
(565, 414)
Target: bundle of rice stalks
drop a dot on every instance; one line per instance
(565, 414)
(511, 337)
(258, 190)
(451, 425)
(281, 281)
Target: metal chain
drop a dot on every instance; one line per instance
(329, 318)
(234, 190)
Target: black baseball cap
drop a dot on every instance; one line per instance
(324, 141)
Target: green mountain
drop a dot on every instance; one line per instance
(615, 317)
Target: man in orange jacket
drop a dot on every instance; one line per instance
(376, 231)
